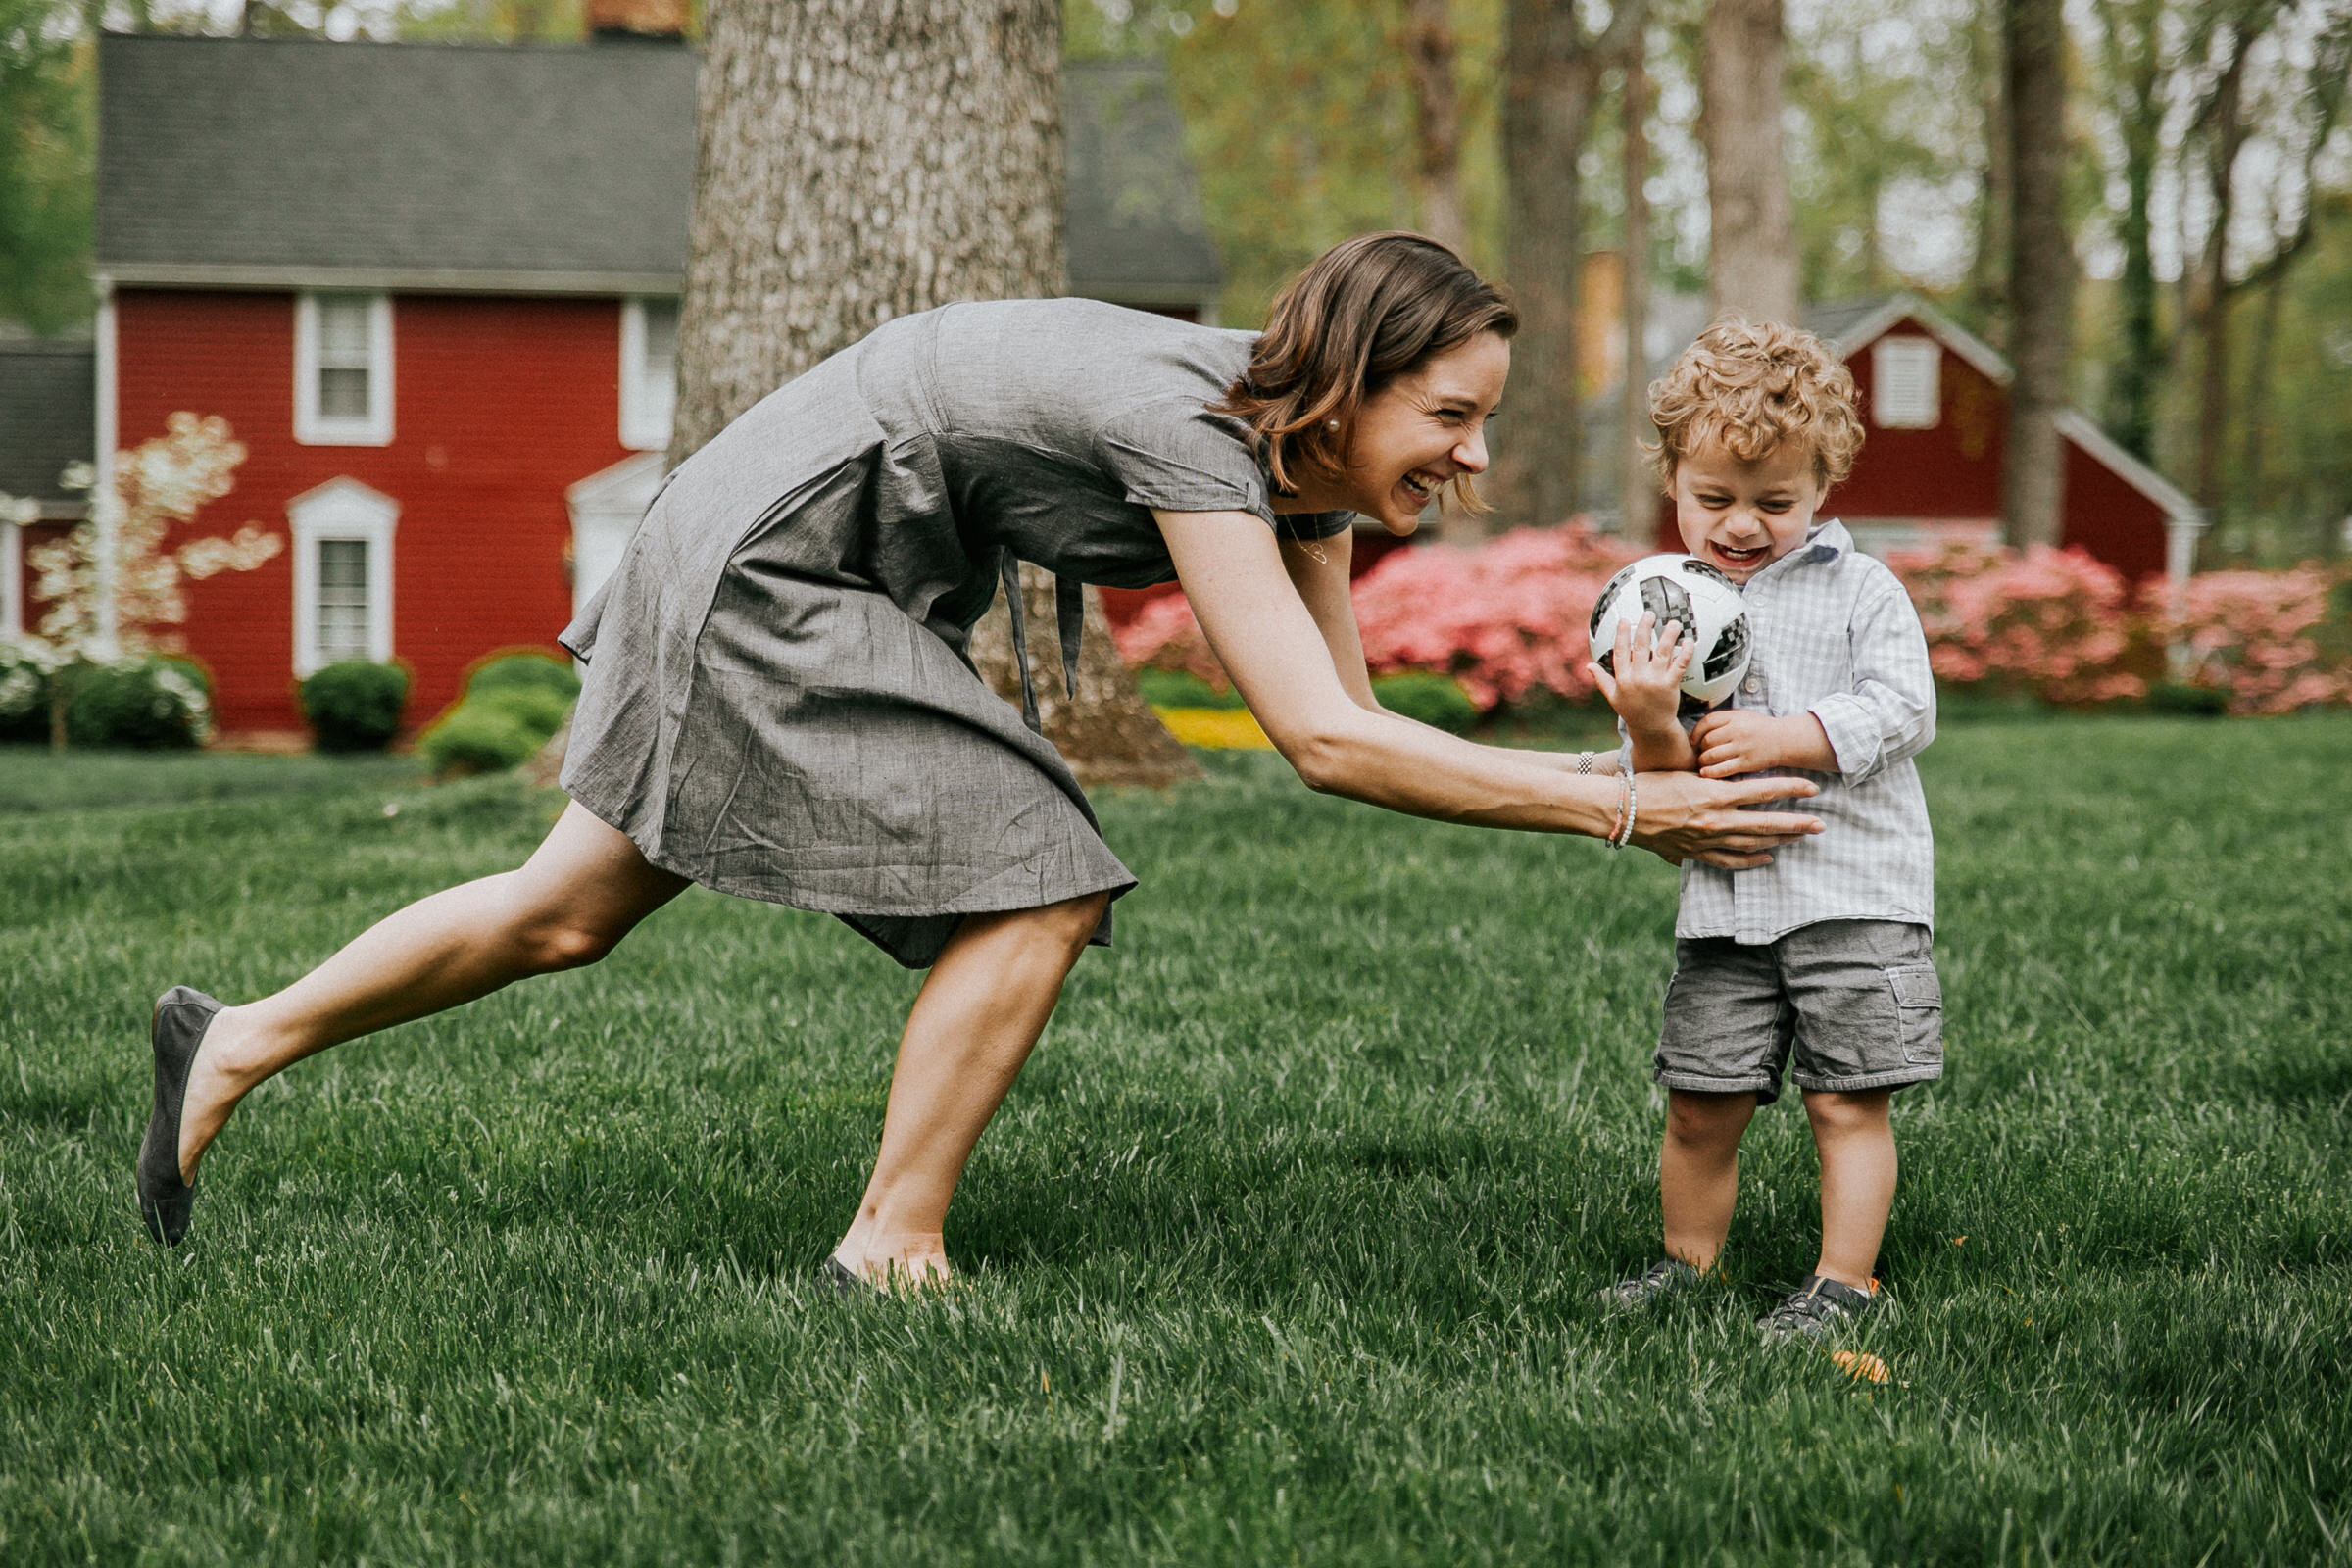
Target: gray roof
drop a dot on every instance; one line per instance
(276, 161)
(48, 392)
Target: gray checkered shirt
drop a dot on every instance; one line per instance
(1833, 635)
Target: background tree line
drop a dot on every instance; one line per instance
(2197, 174)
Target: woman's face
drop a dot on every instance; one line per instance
(1425, 427)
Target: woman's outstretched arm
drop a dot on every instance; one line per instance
(1234, 572)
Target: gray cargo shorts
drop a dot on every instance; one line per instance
(1858, 1001)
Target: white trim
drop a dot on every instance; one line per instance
(1941, 328)
(12, 580)
(646, 411)
(341, 509)
(605, 511)
(316, 429)
(107, 633)
(390, 280)
(2081, 429)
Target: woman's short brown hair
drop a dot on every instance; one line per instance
(1750, 386)
(1365, 312)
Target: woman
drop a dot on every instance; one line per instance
(777, 701)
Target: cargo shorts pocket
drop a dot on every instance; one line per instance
(1919, 1013)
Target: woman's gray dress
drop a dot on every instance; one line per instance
(778, 702)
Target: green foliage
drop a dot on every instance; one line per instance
(1437, 700)
(529, 670)
(47, 137)
(1359, 1113)
(479, 737)
(1180, 688)
(355, 705)
(23, 696)
(535, 708)
(146, 704)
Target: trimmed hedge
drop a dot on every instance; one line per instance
(23, 697)
(153, 704)
(1437, 700)
(513, 705)
(355, 705)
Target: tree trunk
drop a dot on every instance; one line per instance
(2134, 65)
(1552, 77)
(1637, 486)
(2228, 137)
(857, 163)
(1108, 733)
(1751, 260)
(2041, 273)
(1987, 290)
(1429, 54)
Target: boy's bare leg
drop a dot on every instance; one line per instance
(973, 1024)
(1699, 1171)
(1856, 1143)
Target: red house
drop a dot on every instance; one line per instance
(1936, 399)
(433, 290)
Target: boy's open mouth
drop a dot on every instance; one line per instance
(1726, 556)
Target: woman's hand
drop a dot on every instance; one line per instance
(1681, 816)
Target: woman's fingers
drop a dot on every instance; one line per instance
(1726, 861)
(1756, 791)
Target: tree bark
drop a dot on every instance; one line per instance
(1429, 54)
(1552, 78)
(2133, 48)
(1751, 260)
(858, 161)
(2041, 273)
(2228, 139)
(1637, 486)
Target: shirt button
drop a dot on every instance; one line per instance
(1754, 686)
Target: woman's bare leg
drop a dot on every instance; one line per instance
(583, 889)
(973, 1026)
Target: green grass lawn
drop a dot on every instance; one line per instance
(1281, 1252)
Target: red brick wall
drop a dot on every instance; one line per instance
(499, 405)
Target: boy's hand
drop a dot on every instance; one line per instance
(1732, 741)
(1647, 687)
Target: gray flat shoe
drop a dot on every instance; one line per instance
(848, 1284)
(181, 1016)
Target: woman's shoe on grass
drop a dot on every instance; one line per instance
(181, 1016)
(1668, 1276)
(1817, 1309)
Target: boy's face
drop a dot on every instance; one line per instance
(1740, 517)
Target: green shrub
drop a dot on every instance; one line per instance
(540, 712)
(146, 704)
(23, 696)
(355, 705)
(1437, 700)
(2192, 701)
(524, 671)
(1180, 688)
(478, 738)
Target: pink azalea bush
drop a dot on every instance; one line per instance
(2050, 623)
(2273, 641)
(1506, 621)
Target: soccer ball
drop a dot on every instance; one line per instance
(1687, 590)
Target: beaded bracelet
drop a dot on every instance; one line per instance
(1623, 833)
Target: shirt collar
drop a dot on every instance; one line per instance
(1824, 542)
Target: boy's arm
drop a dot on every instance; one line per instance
(1889, 716)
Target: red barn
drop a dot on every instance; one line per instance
(1936, 399)
(433, 290)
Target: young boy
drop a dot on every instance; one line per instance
(1823, 951)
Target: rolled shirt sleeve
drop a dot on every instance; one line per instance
(1889, 715)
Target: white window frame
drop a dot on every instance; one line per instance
(316, 429)
(1887, 373)
(646, 413)
(341, 509)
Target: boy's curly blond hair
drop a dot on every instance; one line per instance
(1752, 386)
